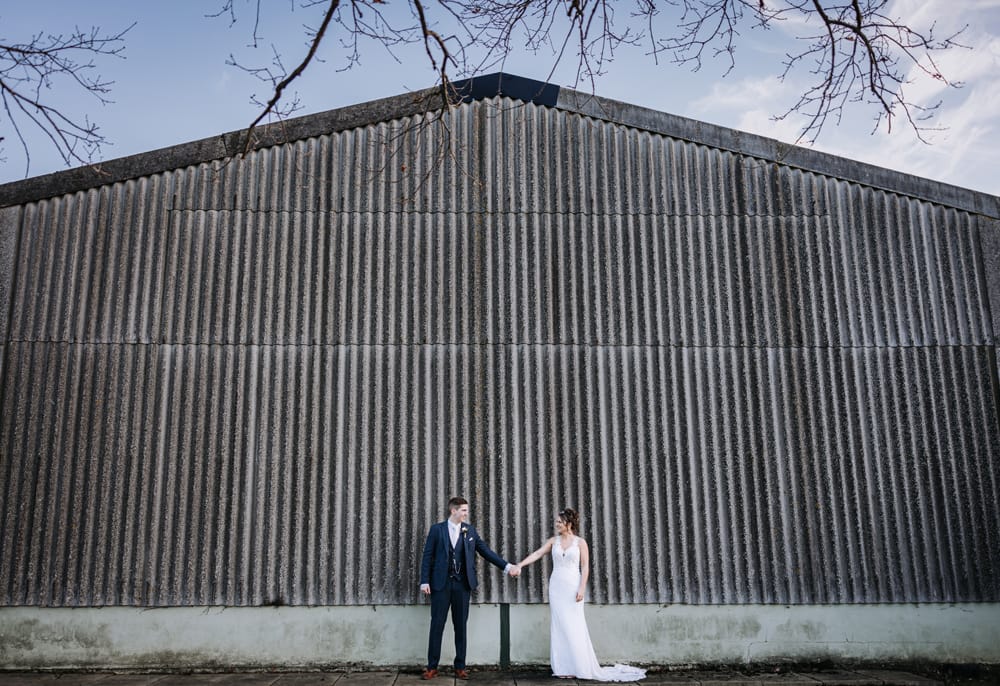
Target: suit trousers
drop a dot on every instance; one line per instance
(454, 596)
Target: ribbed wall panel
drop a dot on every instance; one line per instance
(400, 278)
(92, 265)
(249, 475)
(257, 381)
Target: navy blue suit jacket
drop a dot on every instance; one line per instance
(434, 565)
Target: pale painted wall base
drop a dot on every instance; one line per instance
(224, 638)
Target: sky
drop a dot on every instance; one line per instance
(174, 85)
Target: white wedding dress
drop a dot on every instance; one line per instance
(571, 652)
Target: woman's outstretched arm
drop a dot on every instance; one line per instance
(537, 555)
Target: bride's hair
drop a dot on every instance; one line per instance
(571, 517)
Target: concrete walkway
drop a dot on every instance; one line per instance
(831, 677)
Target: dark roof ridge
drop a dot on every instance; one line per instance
(517, 88)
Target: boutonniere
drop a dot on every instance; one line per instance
(465, 532)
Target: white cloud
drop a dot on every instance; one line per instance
(945, 15)
(737, 94)
(963, 153)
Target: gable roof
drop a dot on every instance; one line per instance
(516, 88)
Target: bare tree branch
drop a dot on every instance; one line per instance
(852, 51)
(30, 71)
(863, 56)
(859, 55)
(279, 88)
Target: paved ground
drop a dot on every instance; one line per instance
(826, 677)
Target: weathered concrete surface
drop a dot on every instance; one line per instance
(689, 634)
(898, 678)
(10, 220)
(223, 639)
(690, 678)
(989, 240)
(219, 680)
(309, 679)
(840, 676)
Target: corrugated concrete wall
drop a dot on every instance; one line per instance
(257, 381)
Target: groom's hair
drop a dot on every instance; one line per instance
(456, 503)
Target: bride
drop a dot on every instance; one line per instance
(571, 652)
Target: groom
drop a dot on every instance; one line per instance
(448, 575)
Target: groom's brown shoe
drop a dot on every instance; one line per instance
(461, 674)
(430, 673)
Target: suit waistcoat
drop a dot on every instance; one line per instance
(456, 559)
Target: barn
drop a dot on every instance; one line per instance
(240, 379)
